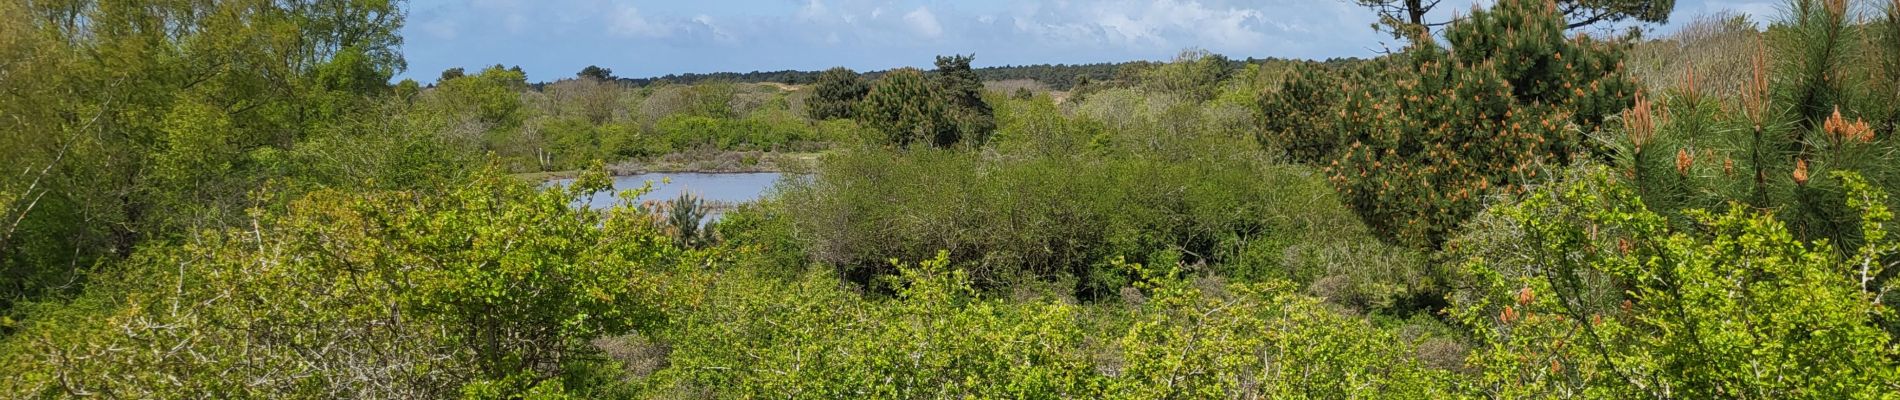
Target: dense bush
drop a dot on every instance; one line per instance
(568, 124)
(1193, 76)
(942, 109)
(1039, 219)
(940, 337)
(685, 132)
(836, 94)
(1298, 116)
(903, 106)
(1591, 292)
(487, 288)
(1456, 124)
(143, 120)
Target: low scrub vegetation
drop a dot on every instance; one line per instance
(1517, 210)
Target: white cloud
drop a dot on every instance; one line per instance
(627, 21)
(1156, 29)
(924, 23)
(719, 34)
(1164, 23)
(814, 10)
(883, 33)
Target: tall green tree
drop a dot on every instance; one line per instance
(961, 91)
(1298, 115)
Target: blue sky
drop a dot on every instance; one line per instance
(552, 39)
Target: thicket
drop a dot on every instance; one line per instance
(1301, 114)
(1064, 196)
(567, 124)
(1178, 335)
(836, 94)
(1580, 288)
(1057, 219)
(483, 288)
(326, 234)
(943, 109)
(132, 122)
(1455, 124)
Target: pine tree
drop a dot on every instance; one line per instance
(903, 105)
(1298, 116)
(1486, 115)
(961, 92)
(836, 93)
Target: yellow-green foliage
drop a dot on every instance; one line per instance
(567, 124)
(1734, 306)
(146, 119)
(1194, 76)
(492, 286)
(1060, 218)
(938, 337)
(227, 199)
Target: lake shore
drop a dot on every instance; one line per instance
(708, 162)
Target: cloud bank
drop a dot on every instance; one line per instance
(553, 38)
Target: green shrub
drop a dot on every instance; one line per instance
(1051, 219)
(1598, 295)
(1298, 117)
(1193, 76)
(960, 92)
(940, 337)
(1037, 128)
(836, 94)
(1457, 124)
(619, 141)
(492, 286)
(686, 132)
(903, 106)
(1683, 149)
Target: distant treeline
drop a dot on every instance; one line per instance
(1056, 76)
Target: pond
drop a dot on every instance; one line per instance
(726, 188)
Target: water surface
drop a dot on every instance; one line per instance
(713, 187)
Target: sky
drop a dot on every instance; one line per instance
(553, 39)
